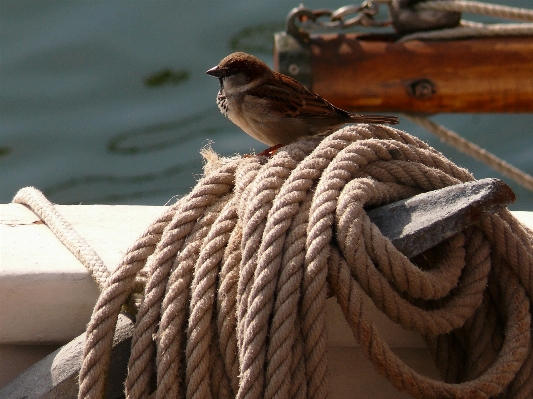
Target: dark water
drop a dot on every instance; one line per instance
(108, 101)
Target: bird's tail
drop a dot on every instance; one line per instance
(391, 120)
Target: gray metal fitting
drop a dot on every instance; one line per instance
(406, 18)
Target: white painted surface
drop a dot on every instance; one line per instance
(47, 296)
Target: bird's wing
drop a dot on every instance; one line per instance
(290, 98)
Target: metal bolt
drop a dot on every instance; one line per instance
(294, 69)
(422, 89)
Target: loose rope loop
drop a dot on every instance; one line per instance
(76, 244)
(237, 274)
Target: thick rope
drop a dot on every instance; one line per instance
(471, 149)
(75, 243)
(476, 7)
(236, 277)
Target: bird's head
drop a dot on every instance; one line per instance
(238, 70)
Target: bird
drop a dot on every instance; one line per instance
(275, 108)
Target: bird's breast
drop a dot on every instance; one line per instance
(222, 102)
(257, 117)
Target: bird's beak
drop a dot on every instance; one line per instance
(217, 72)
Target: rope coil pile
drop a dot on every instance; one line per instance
(236, 275)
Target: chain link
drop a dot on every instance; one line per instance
(302, 20)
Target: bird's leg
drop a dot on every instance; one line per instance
(266, 153)
(270, 150)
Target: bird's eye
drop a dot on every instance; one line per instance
(230, 72)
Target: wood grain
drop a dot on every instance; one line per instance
(375, 73)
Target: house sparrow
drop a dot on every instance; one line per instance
(274, 108)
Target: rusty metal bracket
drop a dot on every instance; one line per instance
(292, 52)
(292, 48)
(293, 58)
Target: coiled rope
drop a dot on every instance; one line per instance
(236, 276)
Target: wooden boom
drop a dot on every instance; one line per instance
(376, 73)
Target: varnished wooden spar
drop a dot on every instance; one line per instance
(375, 73)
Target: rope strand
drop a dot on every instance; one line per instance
(476, 7)
(468, 29)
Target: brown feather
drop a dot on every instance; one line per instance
(292, 99)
